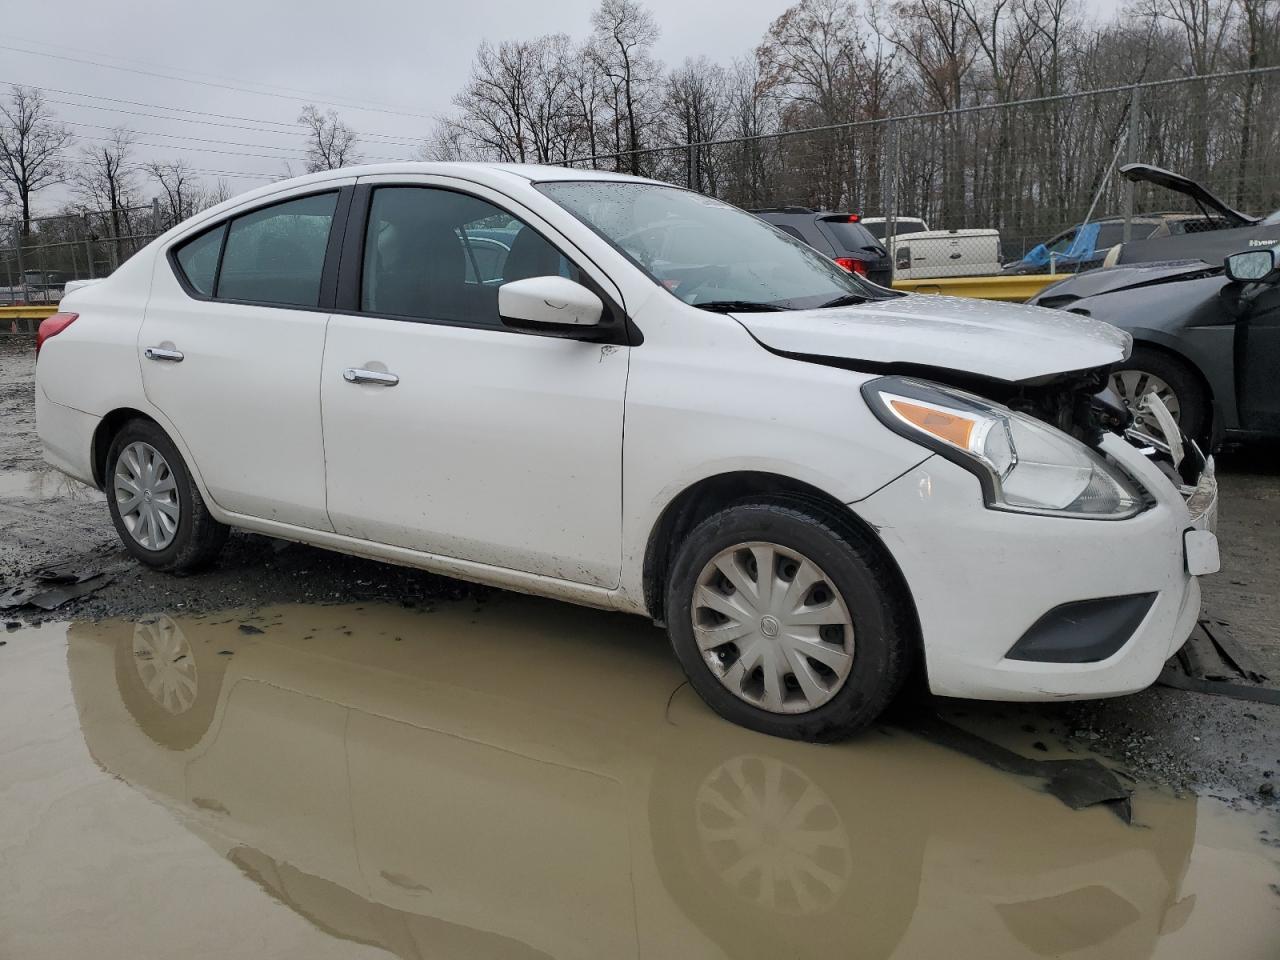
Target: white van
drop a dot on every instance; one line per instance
(919, 252)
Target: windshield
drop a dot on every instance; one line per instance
(1273, 220)
(705, 252)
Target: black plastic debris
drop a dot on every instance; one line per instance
(50, 586)
(1077, 783)
(55, 597)
(1212, 662)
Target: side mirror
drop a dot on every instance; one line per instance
(1253, 266)
(552, 302)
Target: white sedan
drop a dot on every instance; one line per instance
(624, 394)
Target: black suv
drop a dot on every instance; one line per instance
(836, 235)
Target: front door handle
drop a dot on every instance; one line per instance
(163, 353)
(379, 377)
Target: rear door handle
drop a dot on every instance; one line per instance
(162, 353)
(355, 375)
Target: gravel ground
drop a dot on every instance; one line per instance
(1210, 744)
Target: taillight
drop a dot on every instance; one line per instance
(853, 265)
(52, 326)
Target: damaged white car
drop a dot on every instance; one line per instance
(620, 393)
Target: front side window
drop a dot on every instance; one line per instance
(436, 254)
(276, 255)
(705, 252)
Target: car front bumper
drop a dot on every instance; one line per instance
(982, 578)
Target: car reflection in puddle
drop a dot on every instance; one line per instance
(531, 779)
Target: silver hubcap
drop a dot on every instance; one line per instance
(1133, 385)
(772, 627)
(165, 664)
(146, 494)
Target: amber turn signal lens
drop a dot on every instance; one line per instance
(951, 427)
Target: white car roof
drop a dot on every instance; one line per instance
(490, 174)
(531, 172)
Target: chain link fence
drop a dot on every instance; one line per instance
(36, 264)
(1008, 177)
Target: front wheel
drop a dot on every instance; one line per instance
(786, 624)
(155, 505)
(1150, 371)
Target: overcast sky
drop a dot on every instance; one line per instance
(387, 66)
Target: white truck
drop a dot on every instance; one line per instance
(920, 253)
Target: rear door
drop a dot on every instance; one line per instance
(445, 431)
(230, 350)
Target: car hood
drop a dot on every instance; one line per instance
(1146, 173)
(1111, 279)
(1000, 340)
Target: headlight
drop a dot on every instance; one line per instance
(1024, 465)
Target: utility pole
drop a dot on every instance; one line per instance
(1131, 149)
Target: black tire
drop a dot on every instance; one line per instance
(1193, 402)
(199, 537)
(883, 627)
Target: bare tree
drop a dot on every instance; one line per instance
(697, 105)
(493, 111)
(205, 197)
(180, 187)
(330, 142)
(105, 185)
(31, 148)
(625, 33)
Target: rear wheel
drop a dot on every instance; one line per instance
(787, 623)
(155, 505)
(1175, 383)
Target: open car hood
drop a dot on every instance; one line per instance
(1003, 341)
(1144, 172)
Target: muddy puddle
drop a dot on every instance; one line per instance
(44, 485)
(529, 779)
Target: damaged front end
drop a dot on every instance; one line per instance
(1082, 405)
(1181, 460)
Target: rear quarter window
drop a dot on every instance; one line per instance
(198, 260)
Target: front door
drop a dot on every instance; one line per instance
(448, 433)
(230, 350)
(1258, 358)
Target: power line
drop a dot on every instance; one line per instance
(228, 153)
(238, 174)
(177, 136)
(208, 83)
(291, 129)
(294, 91)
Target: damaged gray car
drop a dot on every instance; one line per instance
(1206, 340)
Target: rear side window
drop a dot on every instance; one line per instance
(198, 260)
(791, 232)
(1109, 234)
(276, 254)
